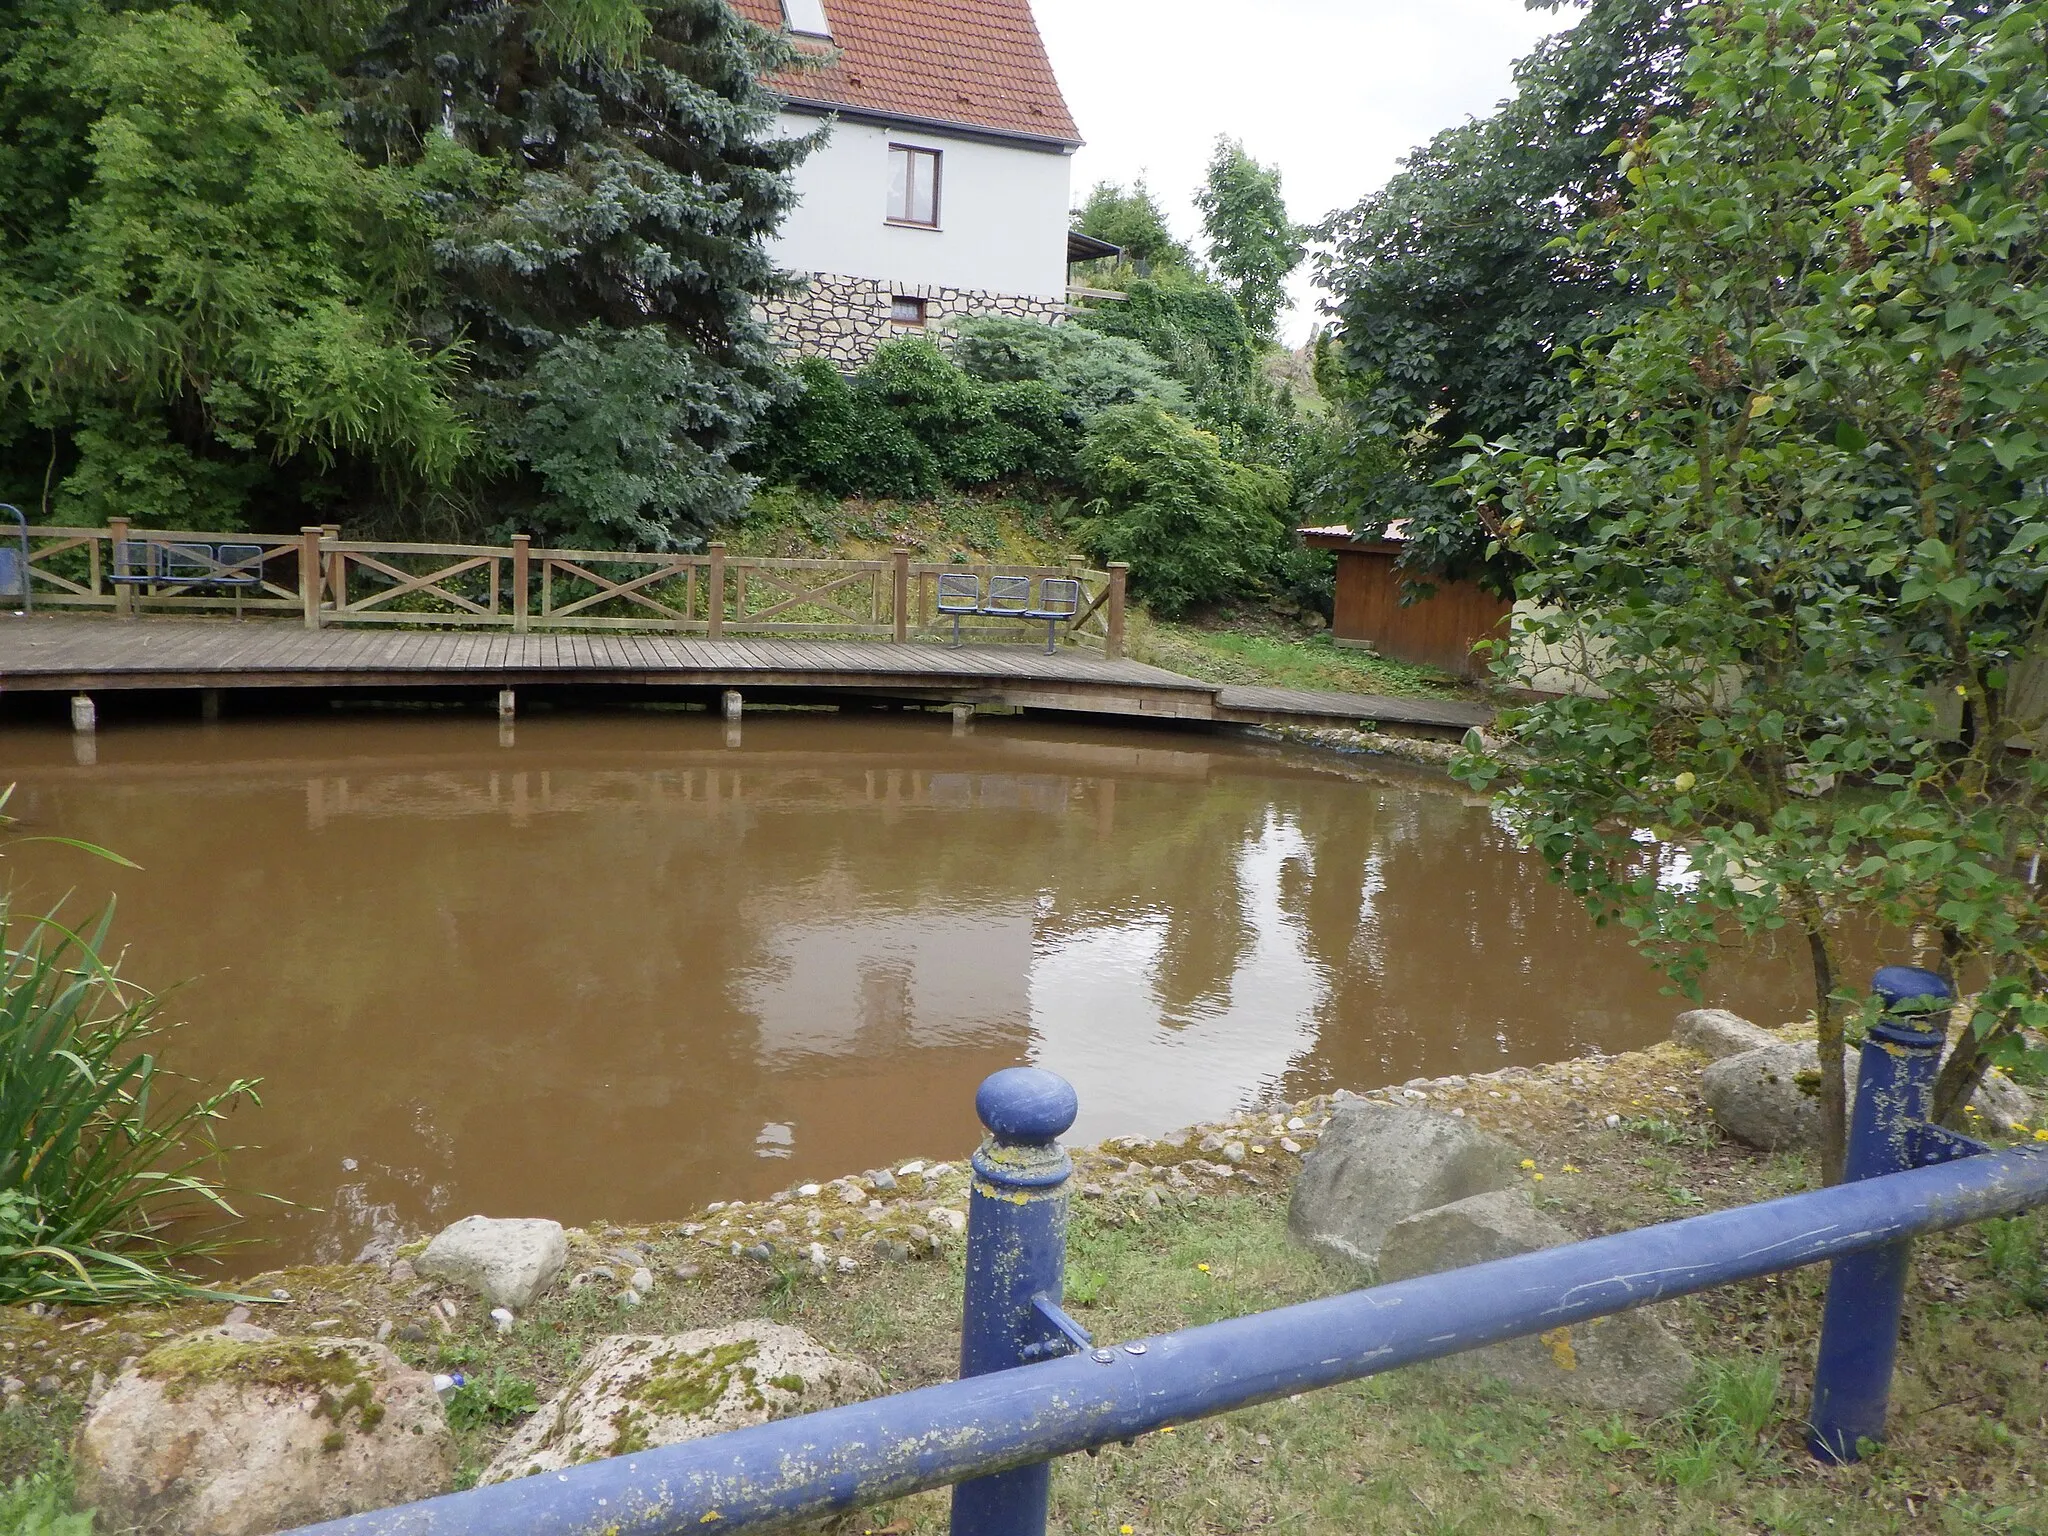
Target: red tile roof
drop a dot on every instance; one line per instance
(975, 63)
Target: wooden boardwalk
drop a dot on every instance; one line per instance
(85, 655)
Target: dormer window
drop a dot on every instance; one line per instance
(806, 18)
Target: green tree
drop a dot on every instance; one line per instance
(1130, 217)
(1800, 542)
(607, 174)
(1253, 245)
(1090, 369)
(197, 279)
(1455, 301)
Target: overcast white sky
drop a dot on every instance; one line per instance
(1333, 91)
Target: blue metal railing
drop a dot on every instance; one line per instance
(1034, 1387)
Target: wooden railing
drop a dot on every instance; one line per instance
(328, 580)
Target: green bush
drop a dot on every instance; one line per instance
(1194, 527)
(843, 441)
(1089, 369)
(101, 1151)
(1041, 435)
(944, 409)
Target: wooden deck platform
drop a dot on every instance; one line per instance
(87, 655)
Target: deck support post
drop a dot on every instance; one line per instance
(733, 703)
(508, 704)
(1113, 640)
(1016, 1268)
(714, 607)
(522, 567)
(899, 602)
(1859, 1331)
(963, 719)
(209, 705)
(84, 717)
(117, 565)
(310, 575)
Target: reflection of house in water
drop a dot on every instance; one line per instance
(833, 982)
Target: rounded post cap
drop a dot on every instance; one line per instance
(1902, 984)
(1026, 1104)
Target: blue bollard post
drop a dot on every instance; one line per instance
(1859, 1331)
(1016, 1260)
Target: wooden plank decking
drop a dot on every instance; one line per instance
(84, 655)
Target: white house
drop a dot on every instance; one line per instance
(944, 187)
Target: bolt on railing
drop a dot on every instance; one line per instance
(1034, 1387)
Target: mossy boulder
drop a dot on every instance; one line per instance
(233, 1431)
(634, 1391)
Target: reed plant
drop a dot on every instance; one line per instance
(108, 1162)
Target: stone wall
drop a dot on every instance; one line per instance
(844, 319)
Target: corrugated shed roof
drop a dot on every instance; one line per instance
(975, 63)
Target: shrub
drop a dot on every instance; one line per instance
(944, 409)
(840, 440)
(1088, 369)
(1041, 434)
(100, 1149)
(1194, 527)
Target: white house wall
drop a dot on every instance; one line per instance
(1002, 213)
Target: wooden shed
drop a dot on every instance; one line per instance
(1435, 631)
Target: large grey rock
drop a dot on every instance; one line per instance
(507, 1262)
(233, 1431)
(1377, 1163)
(634, 1391)
(1628, 1361)
(1770, 1097)
(1717, 1033)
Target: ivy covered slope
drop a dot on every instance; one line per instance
(443, 268)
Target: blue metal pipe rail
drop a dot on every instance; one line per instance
(996, 1431)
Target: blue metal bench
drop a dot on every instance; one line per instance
(187, 563)
(1009, 597)
(15, 577)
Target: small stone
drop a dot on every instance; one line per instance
(846, 1264)
(502, 1319)
(909, 1169)
(686, 1271)
(810, 1191)
(1210, 1143)
(402, 1273)
(237, 1315)
(884, 1180)
(384, 1331)
(325, 1322)
(818, 1255)
(1151, 1199)
(280, 1294)
(690, 1228)
(603, 1272)
(642, 1280)
(410, 1333)
(48, 1386)
(1233, 1152)
(938, 1170)
(628, 1297)
(852, 1194)
(890, 1249)
(1289, 1144)
(775, 1228)
(448, 1308)
(761, 1251)
(920, 1239)
(1297, 1124)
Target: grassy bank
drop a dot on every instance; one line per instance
(1249, 644)
(1417, 1451)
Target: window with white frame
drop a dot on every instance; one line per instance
(913, 186)
(806, 18)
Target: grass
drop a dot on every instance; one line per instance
(787, 523)
(1420, 1450)
(1254, 650)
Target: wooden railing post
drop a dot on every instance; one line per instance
(715, 605)
(1113, 642)
(899, 599)
(337, 568)
(522, 556)
(310, 575)
(117, 565)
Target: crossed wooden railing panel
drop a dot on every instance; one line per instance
(328, 580)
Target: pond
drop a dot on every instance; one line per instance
(616, 966)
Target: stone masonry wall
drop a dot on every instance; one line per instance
(843, 319)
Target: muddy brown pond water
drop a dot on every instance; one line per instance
(617, 966)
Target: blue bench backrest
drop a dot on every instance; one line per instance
(1009, 594)
(959, 592)
(13, 575)
(1059, 595)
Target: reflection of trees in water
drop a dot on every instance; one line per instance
(519, 1001)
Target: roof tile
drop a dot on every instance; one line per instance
(977, 63)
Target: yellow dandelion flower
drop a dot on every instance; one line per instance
(1203, 1268)
(1123, 1530)
(2041, 1135)
(1528, 1162)
(1166, 1429)
(1567, 1168)
(1537, 1177)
